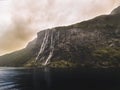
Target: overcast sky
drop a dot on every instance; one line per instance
(20, 20)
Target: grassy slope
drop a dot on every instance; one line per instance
(17, 58)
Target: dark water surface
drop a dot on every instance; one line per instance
(59, 79)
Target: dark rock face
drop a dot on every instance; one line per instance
(90, 42)
(78, 42)
(116, 11)
(68, 42)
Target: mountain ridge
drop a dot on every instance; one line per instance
(94, 43)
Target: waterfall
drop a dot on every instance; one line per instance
(51, 49)
(53, 37)
(44, 43)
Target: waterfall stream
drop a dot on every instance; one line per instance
(51, 49)
(44, 43)
(49, 35)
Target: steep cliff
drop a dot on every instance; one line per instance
(95, 43)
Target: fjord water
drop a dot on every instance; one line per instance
(59, 79)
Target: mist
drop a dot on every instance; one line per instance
(27, 17)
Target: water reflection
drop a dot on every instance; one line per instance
(8, 78)
(25, 79)
(57, 79)
(41, 79)
(47, 77)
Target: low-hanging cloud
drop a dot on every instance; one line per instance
(30, 16)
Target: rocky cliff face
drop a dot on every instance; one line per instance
(116, 11)
(69, 43)
(94, 42)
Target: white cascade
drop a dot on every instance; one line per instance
(51, 50)
(53, 39)
(44, 43)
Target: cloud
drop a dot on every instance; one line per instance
(30, 16)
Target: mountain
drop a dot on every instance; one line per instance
(116, 11)
(92, 43)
